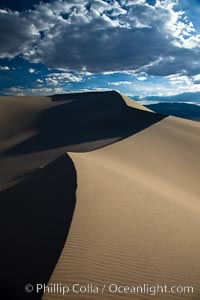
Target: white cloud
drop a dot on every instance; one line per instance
(196, 79)
(4, 68)
(120, 83)
(142, 77)
(40, 81)
(59, 78)
(20, 91)
(31, 70)
(2, 11)
(179, 79)
(148, 102)
(101, 89)
(98, 36)
(51, 81)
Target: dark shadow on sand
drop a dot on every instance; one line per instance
(35, 219)
(83, 118)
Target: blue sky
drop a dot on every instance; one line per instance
(138, 47)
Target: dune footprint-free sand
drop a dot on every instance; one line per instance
(135, 188)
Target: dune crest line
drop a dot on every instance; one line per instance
(36, 130)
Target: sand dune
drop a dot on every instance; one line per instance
(137, 211)
(137, 215)
(35, 219)
(36, 130)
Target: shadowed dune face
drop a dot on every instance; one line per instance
(84, 118)
(35, 218)
(36, 130)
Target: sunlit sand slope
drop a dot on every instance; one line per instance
(137, 218)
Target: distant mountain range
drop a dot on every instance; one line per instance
(184, 97)
(182, 110)
(185, 105)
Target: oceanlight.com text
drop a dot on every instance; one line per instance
(111, 288)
